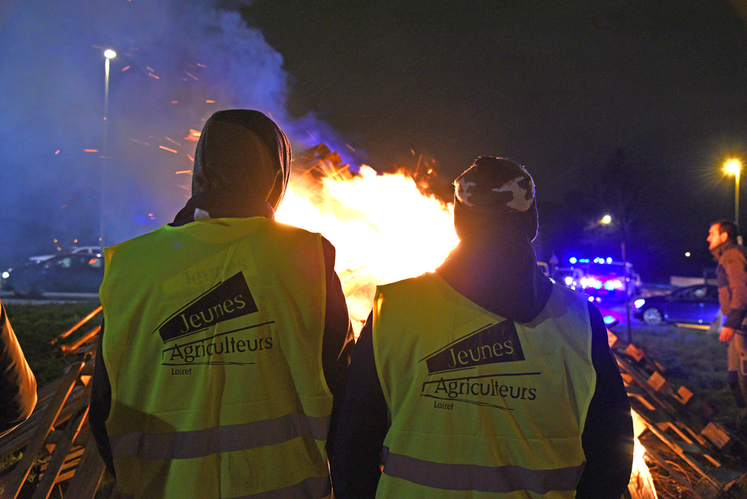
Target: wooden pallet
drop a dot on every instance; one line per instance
(700, 455)
(55, 443)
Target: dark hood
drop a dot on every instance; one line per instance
(497, 269)
(241, 168)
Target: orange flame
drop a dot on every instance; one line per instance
(382, 227)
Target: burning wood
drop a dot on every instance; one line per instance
(383, 227)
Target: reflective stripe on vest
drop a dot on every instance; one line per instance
(199, 443)
(315, 487)
(500, 479)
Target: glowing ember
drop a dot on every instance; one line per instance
(194, 135)
(383, 228)
(167, 149)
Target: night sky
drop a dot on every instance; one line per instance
(557, 86)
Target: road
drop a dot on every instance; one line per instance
(8, 298)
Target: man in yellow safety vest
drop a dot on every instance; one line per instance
(227, 336)
(484, 379)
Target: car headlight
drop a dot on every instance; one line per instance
(613, 284)
(640, 302)
(5, 274)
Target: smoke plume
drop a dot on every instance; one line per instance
(176, 64)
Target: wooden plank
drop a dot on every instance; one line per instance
(658, 383)
(634, 352)
(716, 434)
(18, 477)
(73, 347)
(62, 449)
(78, 325)
(678, 450)
(683, 395)
(88, 475)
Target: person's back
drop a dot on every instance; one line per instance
(213, 350)
(479, 402)
(484, 379)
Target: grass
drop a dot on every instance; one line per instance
(37, 325)
(693, 358)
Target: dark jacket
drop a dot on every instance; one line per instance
(242, 166)
(732, 282)
(17, 382)
(498, 271)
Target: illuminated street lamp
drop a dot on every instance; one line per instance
(607, 220)
(734, 167)
(109, 54)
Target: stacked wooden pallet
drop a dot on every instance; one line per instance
(701, 455)
(55, 445)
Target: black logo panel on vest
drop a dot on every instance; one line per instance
(491, 344)
(227, 300)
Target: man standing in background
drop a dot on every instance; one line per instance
(732, 296)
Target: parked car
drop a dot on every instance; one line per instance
(70, 272)
(691, 305)
(91, 250)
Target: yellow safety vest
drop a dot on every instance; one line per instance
(480, 406)
(213, 346)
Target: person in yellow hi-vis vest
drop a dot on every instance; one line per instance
(227, 337)
(484, 379)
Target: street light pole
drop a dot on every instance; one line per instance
(736, 196)
(607, 220)
(108, 55)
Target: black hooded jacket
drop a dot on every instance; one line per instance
(241, 170)
(497, 270)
